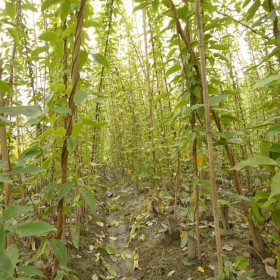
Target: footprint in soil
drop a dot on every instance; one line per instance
(118, 234)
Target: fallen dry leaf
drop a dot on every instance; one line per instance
(113, 238)
(171, 273)
(269, 261)
(78, 257)
(200, 269)
(100, 224)
(227, 247)
(183, 234)
(90, 247)
(94, 277)
(271, 271)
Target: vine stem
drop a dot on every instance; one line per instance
(69, 125)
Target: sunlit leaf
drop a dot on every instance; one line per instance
(255, 162)
(64, 9)
(4, 87)
(47, 3)
(48, 36)
(99, 58)
(11, 9)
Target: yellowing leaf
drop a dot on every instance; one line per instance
(199, 160)
(183, 234)
(200, 269)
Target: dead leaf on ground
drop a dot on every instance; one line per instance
(113, 238)
(149, 223)
(171, 273)
(78, 257)
(100, 224)
(94, 277)
(269, 261)
(271, 271)
(227, 247)
(200, 269)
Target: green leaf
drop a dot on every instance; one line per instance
(60, 275)
(60, 131)
(77, 128)
(255, 162)
(273, 131)
(5, 179)
(182, 103)
(11, 9)
(34, 229)
(266, 81)
(65, 189)
(93, 123)
(69, 30)
(110, 250)
(217, 98)
(6, 267)
(14, 34)
(141, 6)
(47, 3)
(30, 271)
(30, 169)
(79, 97)
(275, 185)
(2, 238)
(70, 144)
(12, 253)
(236, 141)
(99, 58)
(30, 153)
(62, 110)
(173, 69)
(39, 50)
(241, 263)
(29, 6)
(64, 9)
(4, 87)
(219, 47)
(90, 199)
(75, 236)
(161, 96)
(48, 36)
(155, 5)
(252, 10)
(2, 163)
(83, 57)
(13, 210)
(60, 251)
(21, 110)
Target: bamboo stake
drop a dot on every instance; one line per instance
(209, 136)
